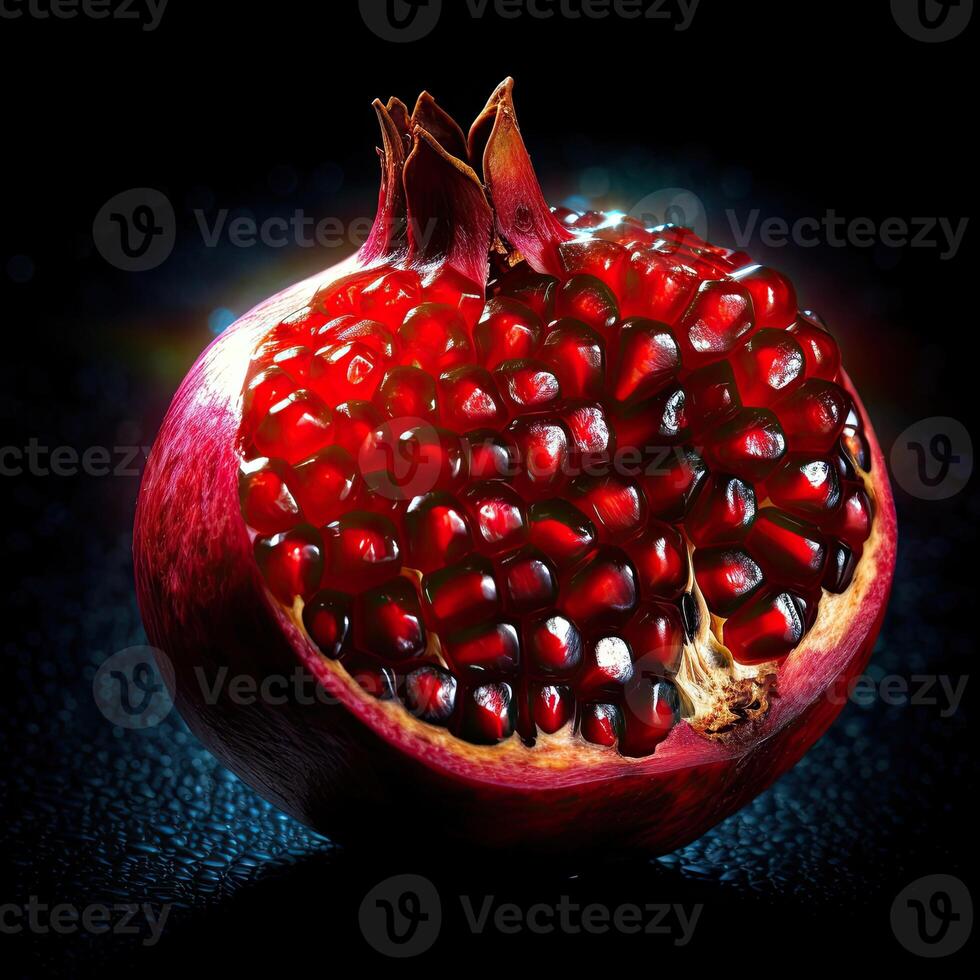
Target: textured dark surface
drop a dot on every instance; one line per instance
(94, 813)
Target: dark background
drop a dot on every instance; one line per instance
(794, 109)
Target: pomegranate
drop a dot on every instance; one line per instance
(578, 525)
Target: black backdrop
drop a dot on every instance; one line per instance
(792, 109)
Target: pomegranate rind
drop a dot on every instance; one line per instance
(344, 767)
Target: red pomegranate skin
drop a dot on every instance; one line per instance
(354, 768)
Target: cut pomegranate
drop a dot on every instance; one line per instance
(575, 521)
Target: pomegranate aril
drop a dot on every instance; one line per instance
(491, 455)
(726, 577)
(852, 520)
(430, 694)
(590, 300)
(841, 564)
(391, 296)
(295, 361)
(448, 287)
(434, 338)
(722, 512)
(616, 506)
(493, 647)
(661, 287)
(375, 680)
(576, 353)
(362, 549)
(390, 622)
(589, 220)
(854, 443)
(326, 485)
(652, 425)
(648, 357)
(267, 503)
(592, 438)
(552, 708)
(767, 627)
(606, 260)
(805, 486)
(819, 349)
(295, 428)
(527, 385)
(407, 392)
(346, 371)
(790, 551)
(304, 323)
(496, 514)
(773, 296)
(750, 445)
(369, 334)
(603, 591)
(354, 421)
(531, 288)
(327, 620)
(543, 445)
(712, 396)
(553, 645)
(608, 665)
(690, 615)
(601, 724)
(489, 714)
(267, 388)
(462, 594)
(719, 314)
(652, 709)
(560, 530)
(437, 532)
(468, 397)
(769, 364)
(527, 581)
(655, 634)
(660, 558)
(671, 483)
(508, 330)
(291, 562)
(813, 416)
(343, 295)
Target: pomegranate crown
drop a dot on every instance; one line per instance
(434, 208)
